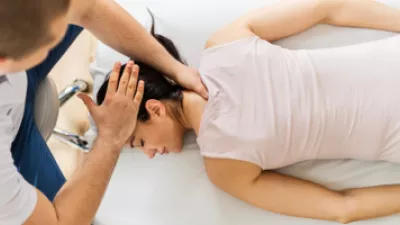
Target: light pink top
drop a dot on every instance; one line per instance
(275, 107)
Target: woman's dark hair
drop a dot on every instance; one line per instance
(156, 85)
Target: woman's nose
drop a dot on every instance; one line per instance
(150, 153)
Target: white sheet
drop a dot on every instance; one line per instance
(174, 189)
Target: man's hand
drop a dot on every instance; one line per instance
(116, 117)
(78, 200)
(189, 78)
(118, 29)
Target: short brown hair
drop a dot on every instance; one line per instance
(25, 24)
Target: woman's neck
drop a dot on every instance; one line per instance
(192, 110)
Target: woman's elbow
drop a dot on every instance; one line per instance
(337, 208)
(344, 219)
(347, 212)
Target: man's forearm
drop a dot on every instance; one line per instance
(87, 185)
(365, 14)
(116, 28)
(372, 202)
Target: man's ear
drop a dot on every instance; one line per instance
(3, 64)
(2, 61)
(155, 108)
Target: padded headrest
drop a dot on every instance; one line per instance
(46, 107)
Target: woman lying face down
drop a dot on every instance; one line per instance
(270, 107)
(166, 112)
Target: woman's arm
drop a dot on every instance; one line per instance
(290, 17)
(294, 197)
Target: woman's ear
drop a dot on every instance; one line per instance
(155, 108)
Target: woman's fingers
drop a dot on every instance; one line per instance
(113, 80)
(123, 82)
(132, 82)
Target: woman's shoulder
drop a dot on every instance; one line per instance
(226, 36)
(235, 53)
(216, 60)
(231, 47)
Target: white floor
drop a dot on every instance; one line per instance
(73, 115)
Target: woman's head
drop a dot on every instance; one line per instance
(159, 128)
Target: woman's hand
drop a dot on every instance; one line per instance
(116, 117)
(189, 78)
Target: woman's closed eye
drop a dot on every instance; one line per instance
(140, 145)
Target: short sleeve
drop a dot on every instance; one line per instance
(17, 197)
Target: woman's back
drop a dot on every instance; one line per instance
(274, 107)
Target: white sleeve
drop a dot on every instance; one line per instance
(17, 197)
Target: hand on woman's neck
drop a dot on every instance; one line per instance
(193, 108)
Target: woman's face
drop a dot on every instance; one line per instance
(161, 134)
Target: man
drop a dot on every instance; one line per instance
(34, 34)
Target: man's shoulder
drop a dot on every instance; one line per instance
(12, 103)
(17, 196)
(12, 86)
(6, 127)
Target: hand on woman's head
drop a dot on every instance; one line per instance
(159, 128)
(185, 76)
(121, 101)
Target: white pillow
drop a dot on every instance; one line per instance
(174, 189)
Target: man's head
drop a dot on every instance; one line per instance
(29, 30)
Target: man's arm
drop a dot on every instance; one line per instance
(116, 28)
(294, 197)
(290, 17)
(78, 200)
